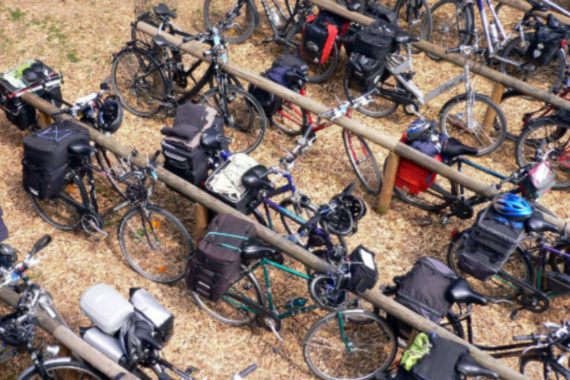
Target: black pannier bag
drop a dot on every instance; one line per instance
(424, 288)
(375, 41)
(319, 36)
(184, 155)
(217, 262)
(287, 70)
(46, 157)
(364, 274)
(367, 72)
(380, 12)
(486, 247)
(14, 83)
(546, 43)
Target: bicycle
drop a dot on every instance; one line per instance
(154, 242)
(516, 279)
(362, 342)
(146, 77)
(454, 25)
(18, 328)
(464, 117)
(294, 120)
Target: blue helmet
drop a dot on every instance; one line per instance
(420, 129)
(512, 206)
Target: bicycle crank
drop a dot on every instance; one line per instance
(93, 225)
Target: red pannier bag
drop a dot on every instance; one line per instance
(319, 36)
(412, 177)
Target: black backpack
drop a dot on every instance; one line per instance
(547, 41)
(375, 41)
(217, 262)
(366, 73)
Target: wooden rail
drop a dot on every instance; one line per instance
(80, 347)
(525, 7)
(192, 192)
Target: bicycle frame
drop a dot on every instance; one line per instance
(541, 273)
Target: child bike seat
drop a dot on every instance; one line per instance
(536, 223)
(461, 292)
(468, 367)
(453, 148)
(81, 149)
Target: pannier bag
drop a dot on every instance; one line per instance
(217, 262)
(559, 282)
(411, 176)
(225, 182)
(184, 155)
(539, 180)
(487, 246)
(3, 229)
(150, 309)
(32, 75)
(287, 70)
(546, 43)
(431, 357)
(424, 288)
(319, 36)
(105, 307)
(366, 72)
(363, 271)
(380, 12)
(375, 41)
(46, 157)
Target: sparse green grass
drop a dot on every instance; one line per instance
(16, 14)
(72, 56)
(56, 33)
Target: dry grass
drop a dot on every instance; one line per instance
(78, 38)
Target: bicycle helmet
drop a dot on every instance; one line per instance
(420, 129)
(8, 255)
(512, 206)
(110, 115)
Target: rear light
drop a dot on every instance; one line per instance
(454, 233)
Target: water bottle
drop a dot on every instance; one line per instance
(493, 32)
(273, 15)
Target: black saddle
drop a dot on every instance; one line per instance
(161, 42)
(461, 292)
(81, 149)
(256, 250)
(536, 223)
(256, 178)
(468, 367)
(212, 140)
(405, 38)
(144, 334)
(162, 10)
(453, 148)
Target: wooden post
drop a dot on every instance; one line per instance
(44, 119)
(200, 221)
(385, 195)
(498, 90)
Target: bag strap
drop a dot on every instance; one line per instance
(230, 236)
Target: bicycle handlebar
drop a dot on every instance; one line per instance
(13, 273)
(245, 372)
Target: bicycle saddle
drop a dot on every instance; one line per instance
(468, 367)
(536, 223)
(256, 178)
(255, 250)
(536, 6)
(212, 140)
(405, 38)
(144, 334)
(453, 148)
(81, 149)
(461, 292)
(162, 10)
(161, 42)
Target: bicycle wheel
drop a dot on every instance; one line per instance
(542, 135)
(415, 18)
(63, 368)
(244, 119)
(139, 81)
(548, 76)
(496, 288)
(113, 164)
(452, 24)
(487, 138)
(535, 366)
(229, 310)
(515, 106)
(350, 344)
(290, 119)
(318, 72)
(362, 161)
(156, 244)
(240, 16)
(65, 210)
(379, 106)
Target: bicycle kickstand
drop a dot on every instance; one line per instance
(272, 327)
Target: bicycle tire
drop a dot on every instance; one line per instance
(451, 122)
(512, 102)
(63, 368)
(495, 288)
(163, 263)
(114, 165)
(245, 123)
(73, 191)
(221, 309)
(363, 162)
(290, 119)
(379, 106)
(238, 31)
(143, 87)
(370, 337)
(527, 367)
(417, 22)
(517, 50)
(452, 24)
(537, 136)
(317, 72)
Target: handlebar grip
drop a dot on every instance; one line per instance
(452, 50)
(41, 244)
(523, 337)
(248, 370)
